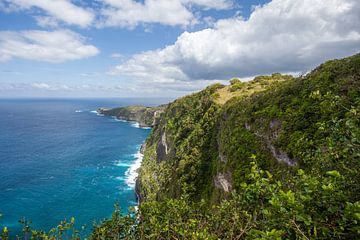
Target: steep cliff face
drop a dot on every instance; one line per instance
(145, 116)
(274, 158)
(204, 143)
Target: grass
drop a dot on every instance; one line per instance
(246, 89)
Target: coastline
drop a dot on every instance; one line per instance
(140, 116)
(132, 173)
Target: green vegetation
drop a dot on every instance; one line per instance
(288, 147)
(246, 89)
(274, 158)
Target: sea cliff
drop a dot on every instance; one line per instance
(145, 116)
(278, 156)
(273, 158)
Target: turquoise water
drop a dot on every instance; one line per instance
(59, 159)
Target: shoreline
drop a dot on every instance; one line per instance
(132, 173)
(134, 124)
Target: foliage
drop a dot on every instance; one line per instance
(119, 226)
(264, 209)
(304, 133)
(65, 230)
(234, 81)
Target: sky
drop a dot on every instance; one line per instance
(164, 48)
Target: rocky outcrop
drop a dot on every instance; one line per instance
(143, 148)
(145, 116)
(162, 148)
(269, 138)
(223, 182)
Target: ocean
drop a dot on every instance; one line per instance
(60, 159)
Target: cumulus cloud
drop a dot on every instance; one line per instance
(48, 46)
(281, 36)
(56, 10)
(130, 13)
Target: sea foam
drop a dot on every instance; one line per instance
(137, 125)
(120, 163)
(96, 112)
(132, 173)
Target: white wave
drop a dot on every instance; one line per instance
(93, 182)
(116, 119)
(135, 124)
(119, 120)
(120, 178)
(96, 112)
(78, 111)
(132, 173)
(120, 163)
(132, 123)
(124, 188)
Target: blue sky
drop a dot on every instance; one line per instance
(154, 48)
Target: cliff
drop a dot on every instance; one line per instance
(286, 149)
(145, 116)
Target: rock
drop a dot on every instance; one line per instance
(143, 148)
(222, 157)
(137, 190)
(162, 148)
(222, 181)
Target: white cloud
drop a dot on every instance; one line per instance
(118, 56)
(41, 86)
(60, 10)
(281, 36)
(48, 46)
(45, 21)
(130, 13)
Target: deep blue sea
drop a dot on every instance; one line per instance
(59, 159)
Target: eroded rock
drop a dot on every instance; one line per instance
(223, 181)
